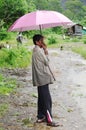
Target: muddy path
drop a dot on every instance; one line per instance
(68, 95)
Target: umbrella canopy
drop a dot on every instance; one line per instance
(39, 20)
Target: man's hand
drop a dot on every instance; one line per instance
(45, 49)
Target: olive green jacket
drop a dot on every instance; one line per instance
(41, 74)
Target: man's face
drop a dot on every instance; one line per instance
(40, 43)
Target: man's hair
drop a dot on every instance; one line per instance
(37, 37)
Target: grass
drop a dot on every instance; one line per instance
(21, 57)
(15, 57)
(78, 45)
(2, 129)
(80, 50)
(7, 85)
(3, 109)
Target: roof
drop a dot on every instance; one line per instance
(71, 25)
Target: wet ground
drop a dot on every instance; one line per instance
(68, 95)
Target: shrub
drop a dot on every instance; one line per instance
(52, 40)
(3, 34)
(15, 57)
(84, 41)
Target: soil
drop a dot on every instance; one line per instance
(68, 95)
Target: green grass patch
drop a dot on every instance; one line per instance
(7, 85)
(2, 129)
(52, 40)
(80, 50)
(3, 109)
(84, 41)
(15, 57)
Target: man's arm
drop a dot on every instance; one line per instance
(45, 48)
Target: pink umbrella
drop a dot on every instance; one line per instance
(39, 20)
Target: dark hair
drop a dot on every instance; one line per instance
(37, 37)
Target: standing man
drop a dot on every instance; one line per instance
(19, 38)
(42, 77)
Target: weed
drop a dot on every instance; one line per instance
(6, 85)
(3, 109)
(15, 57)
(84, 41)
(52, 40)
(81, 51)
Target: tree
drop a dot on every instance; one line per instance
(31, 5)
(74, 9)
(83, 19)
(54, 5)
(10, 10)
(41, 4)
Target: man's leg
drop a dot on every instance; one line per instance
(44, 101)
(47, 103)
(40, 113)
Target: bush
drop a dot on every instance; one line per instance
(84, 41)
(3, 34)
(15, 57)
(52, 40)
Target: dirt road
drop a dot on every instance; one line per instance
(68, 95)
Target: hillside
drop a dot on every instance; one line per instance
(63, 1)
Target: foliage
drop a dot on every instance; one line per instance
(75, 39)
(48, 5)
(2, 128)
(57, 30)
(54, 5)
(3, 110)
(52, 40)
(31, 5)
(74, 10)
(83, 21)
(10, 10)
(3, 34)
(7, 85)
(84, 41)
(15, 57)
(80, 50)
(41, 4)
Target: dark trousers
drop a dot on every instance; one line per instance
(44, 101)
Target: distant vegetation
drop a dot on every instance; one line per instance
(10, 10)
(75, 10)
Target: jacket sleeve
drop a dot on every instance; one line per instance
(43, 58)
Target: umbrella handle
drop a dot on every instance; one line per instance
(40, 29)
